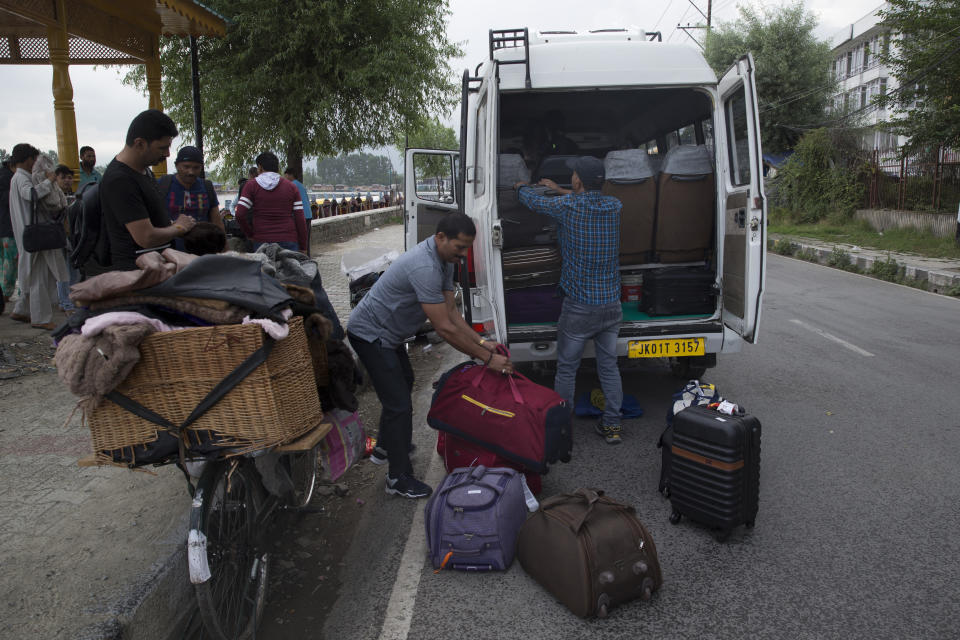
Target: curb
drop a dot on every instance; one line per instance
(939, 281)
(157, 607)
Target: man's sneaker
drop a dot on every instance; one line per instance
(408, 487)
(379, 455)
(610, 433)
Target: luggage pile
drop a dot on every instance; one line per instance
(590, 551)
(198, 357)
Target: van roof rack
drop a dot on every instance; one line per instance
(512, 39)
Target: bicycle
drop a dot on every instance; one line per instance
(231, 509)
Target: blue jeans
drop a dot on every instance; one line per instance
(600, 323)
(392, 378)
(63, 288)
(292, 246)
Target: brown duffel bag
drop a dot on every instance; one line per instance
(590, 551)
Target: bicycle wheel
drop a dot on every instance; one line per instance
(227, 568)
(303, 466)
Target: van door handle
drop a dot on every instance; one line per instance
(740, 217)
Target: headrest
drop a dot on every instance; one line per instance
(688, 160)
(556, 166)
(512, 170)
(627, 166)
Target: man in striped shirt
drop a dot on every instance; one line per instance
(589, 282)
(270, 208)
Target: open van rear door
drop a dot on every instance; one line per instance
(745, 207)
(430, 178)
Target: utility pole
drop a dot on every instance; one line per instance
(706, 16)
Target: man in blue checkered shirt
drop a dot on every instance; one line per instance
(589, 282)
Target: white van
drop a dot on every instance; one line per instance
(648, 109)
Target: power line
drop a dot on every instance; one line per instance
(660, 19)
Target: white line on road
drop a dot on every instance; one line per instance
(396, 622)
(830, 336)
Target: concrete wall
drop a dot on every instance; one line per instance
(351, 224)
(943, 225)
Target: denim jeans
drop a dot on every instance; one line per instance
(600, 323)
(392, 378)
(63, 288)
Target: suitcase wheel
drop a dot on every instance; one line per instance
(675, 517)
(666, 492)
(722, 535)
(750, 524)
(647, 587)
(603, 603)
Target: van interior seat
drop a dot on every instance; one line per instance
(686, 205)
(629, 177)
(555, 168)
(511, 169)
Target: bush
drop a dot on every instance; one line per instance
(783, 247)
(819, 180)
(839, 258)
(809, 255)
(888, 270)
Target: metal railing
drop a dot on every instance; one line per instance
(922, 182)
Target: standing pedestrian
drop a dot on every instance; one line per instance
(275, 206)
(39, 271)
(88, 158)
(418, 285)
(589, 282)
(8, 246)
(187, 192)
(307, 209)
(135, 217)
(63, 181)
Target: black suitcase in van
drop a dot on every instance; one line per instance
(711, 468)
(678, 292)
(530, 267)
(522, 227)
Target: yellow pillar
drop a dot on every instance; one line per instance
(153, 92)
(63, 113)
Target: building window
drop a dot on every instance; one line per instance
(849, 63)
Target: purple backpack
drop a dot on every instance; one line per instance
(474, 517)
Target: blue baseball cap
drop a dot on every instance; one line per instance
(590, 171)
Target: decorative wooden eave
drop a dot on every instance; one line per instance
(100, 31)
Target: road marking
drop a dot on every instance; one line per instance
(830, 336)
(396, 622)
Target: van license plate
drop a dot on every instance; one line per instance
(673, 348)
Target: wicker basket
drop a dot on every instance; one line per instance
(276, 403)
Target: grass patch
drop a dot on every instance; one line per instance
(860, 233)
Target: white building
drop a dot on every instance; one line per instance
(861, 76)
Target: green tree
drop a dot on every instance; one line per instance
(311, 77)
(794, 80)
(429, 133)
(354, 169)
(53, 155)
(925, 59)
(821, 179)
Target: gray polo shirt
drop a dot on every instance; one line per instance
(391, 311)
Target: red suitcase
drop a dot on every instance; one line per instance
(458, 453)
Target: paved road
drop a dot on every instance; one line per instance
(857, 530)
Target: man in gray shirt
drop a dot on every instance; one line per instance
(417, 286)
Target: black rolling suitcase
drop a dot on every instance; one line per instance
(712, 468)
(677, 292)
(522, 227)
(530, 266)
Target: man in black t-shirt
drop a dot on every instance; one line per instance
(134, 215)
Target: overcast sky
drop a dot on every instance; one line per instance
(104, 106)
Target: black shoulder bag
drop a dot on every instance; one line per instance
(42, 236)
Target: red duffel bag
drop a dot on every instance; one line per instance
(457, 453)
(508, 415)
